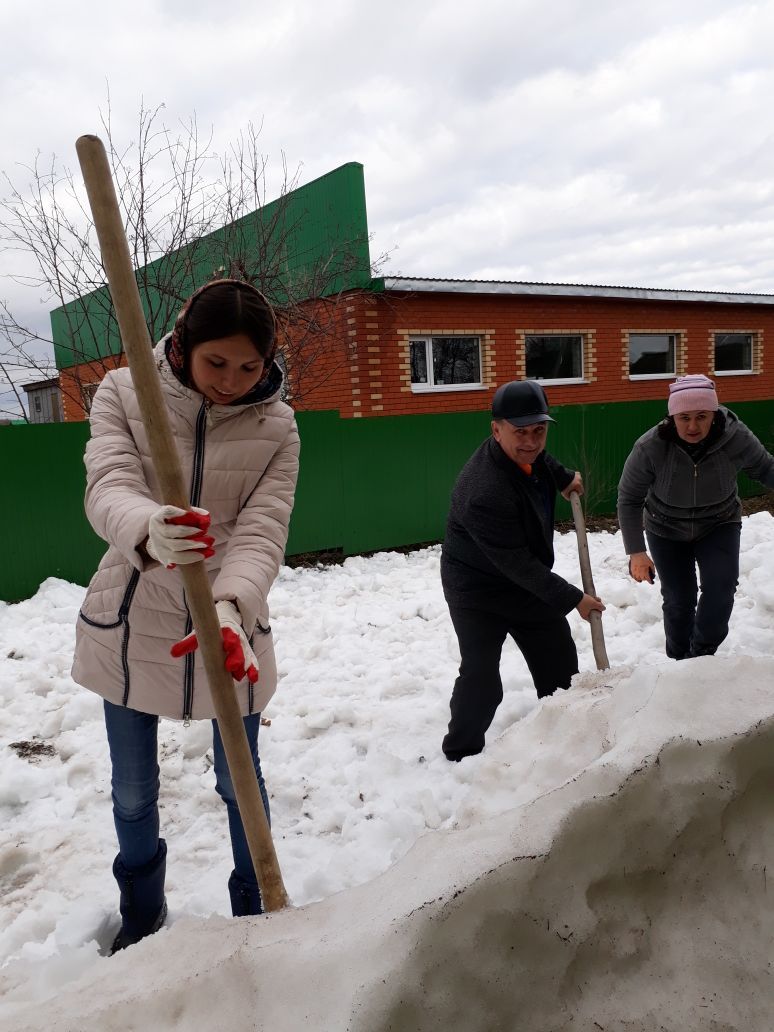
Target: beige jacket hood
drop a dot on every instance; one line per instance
(241, 464)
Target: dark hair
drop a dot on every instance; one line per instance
(224, 308)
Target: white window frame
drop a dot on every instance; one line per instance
(558, 381)
(653, 333)
(735, 333)
(432, 388)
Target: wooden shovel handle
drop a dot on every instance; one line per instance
(595, 617)
(136, 340)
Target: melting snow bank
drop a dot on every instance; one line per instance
(626, 888)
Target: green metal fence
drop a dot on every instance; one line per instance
(365, 484)
(42, 524)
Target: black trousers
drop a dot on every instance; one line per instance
(546, 645)
(695, 625)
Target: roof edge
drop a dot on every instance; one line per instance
(419, 284)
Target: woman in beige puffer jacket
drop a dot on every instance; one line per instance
(238, 446)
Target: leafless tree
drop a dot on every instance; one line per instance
(190, 214)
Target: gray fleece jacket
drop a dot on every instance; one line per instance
(684, 498)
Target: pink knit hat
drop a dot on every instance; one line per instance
(695, 393)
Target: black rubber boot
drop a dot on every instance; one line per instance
(143, 906)
(245, 897)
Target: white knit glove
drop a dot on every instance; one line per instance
(178, 537)
(240, 659)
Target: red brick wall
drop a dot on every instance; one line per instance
(72, 381)
(347, 370)
(502, 321)
(361, 365)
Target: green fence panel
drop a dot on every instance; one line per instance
(365, 484)
(315, 525)
(398, 474)
(42, 521)
(596, 439)
(43, 483)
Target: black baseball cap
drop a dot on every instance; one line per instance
(521, 403)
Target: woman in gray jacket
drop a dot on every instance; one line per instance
(238, 445)
(683, 475)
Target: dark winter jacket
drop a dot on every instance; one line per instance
(498, 550)
(685, 495)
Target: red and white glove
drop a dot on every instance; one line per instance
(170, 540)
(240, 658)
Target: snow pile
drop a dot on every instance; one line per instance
(602, 864)
(633, 890)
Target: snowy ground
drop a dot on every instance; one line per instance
(367, 658)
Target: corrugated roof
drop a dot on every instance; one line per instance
(427, 284)
(40, 384)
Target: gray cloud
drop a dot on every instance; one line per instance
(615, 142)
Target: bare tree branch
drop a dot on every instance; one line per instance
(190, 215)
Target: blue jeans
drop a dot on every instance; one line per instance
(696, 624)
(133, 741)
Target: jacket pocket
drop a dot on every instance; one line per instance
(106, 622)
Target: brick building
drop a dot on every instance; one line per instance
(410, 346)
(430, 346)
(395, 346)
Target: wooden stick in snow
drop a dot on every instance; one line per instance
(595, 617)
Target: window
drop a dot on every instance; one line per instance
(733, 352)
(652, 354)
(554, 357)
(445, 362)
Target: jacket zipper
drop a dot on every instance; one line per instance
(197, 475)
(123, 616)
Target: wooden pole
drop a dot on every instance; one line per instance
(137, 344)
(595, 617)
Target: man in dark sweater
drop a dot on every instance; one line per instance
(496, 565)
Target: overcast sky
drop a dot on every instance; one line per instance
(578, 141)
